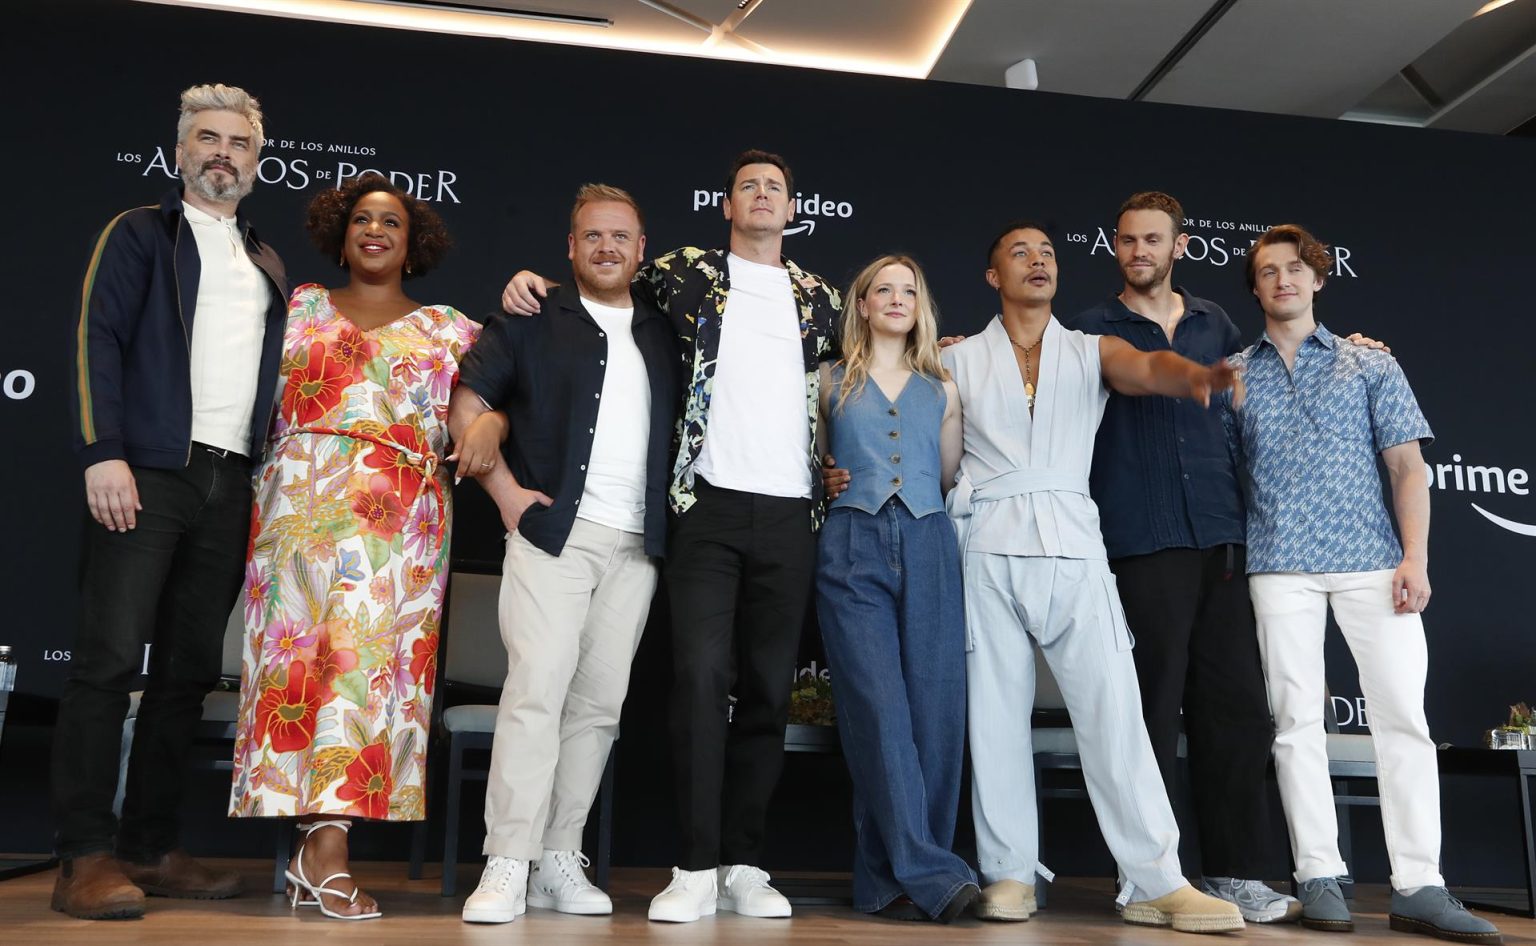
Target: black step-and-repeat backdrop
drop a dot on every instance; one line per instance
(1431, 229)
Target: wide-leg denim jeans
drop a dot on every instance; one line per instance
(888, 592)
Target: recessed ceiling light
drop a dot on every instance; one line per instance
(1491, 5)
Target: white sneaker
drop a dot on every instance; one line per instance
(690, 895)
(502, 895)
(557, 882)
(744, 889)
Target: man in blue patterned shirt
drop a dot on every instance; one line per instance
(1316, 416)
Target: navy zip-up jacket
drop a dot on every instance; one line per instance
(132, 390)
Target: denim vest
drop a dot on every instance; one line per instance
(891, 448)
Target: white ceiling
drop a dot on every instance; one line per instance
(1416, 62)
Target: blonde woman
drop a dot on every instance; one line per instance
(888, 595)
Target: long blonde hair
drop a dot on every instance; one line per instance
(922, 354)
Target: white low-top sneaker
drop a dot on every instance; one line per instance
(744, 889)
(690, 895)
(557, 881)
(502, 895)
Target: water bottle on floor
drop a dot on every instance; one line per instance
(7, 681)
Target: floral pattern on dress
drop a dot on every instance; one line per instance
(691, 286)
(347, 565)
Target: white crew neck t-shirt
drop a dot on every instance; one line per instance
(758, 436)
(614, 494)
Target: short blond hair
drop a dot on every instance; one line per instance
(604, 193)
(219, 97)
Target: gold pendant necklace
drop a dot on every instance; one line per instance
(1029, 389)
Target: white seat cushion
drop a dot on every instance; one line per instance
(476, 717)
(1350, 747)
(1055, 739)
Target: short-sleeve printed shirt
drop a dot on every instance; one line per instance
(1308, 439)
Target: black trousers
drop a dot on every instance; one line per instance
(739, 569)
(1196, 648)
(170, 582)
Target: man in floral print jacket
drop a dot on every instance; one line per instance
(752, 328)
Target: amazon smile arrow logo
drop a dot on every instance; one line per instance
(1519, 528)
(1482, 479)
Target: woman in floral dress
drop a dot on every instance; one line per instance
(349, 544)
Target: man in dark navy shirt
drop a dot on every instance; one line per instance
(1172, 515)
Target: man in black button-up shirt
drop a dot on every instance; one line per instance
(585, 398)
(1171, 511)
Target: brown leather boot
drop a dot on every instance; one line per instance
(178, 875)
(94, 887)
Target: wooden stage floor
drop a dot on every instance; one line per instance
(1081, 912)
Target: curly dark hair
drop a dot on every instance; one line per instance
(427, 237)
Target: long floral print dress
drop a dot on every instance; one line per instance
(347, 565)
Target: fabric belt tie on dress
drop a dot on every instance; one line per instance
(425, 462)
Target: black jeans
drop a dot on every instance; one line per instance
(739, 569)
(170, 582)
(1196, 648)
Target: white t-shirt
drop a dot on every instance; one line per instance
(758, 436)
(614, 494)
(227, 332)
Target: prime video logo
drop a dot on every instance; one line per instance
(1482, 479)
(807, 209)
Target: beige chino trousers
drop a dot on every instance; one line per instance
(571, 624)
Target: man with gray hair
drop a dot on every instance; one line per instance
(176, 354)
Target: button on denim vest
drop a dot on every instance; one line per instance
(891, 448)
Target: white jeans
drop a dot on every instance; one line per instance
(1071, 607)
(1389, 649)
(571, 624)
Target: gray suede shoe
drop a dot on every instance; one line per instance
(1434, 912)
(1322, 906)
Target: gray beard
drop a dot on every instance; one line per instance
(200, 182)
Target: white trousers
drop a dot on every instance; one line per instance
(1071, 607)
(571, 624)
(1390, 652)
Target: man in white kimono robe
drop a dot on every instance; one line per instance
(1033, 394)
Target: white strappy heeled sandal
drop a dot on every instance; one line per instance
(302, 884)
